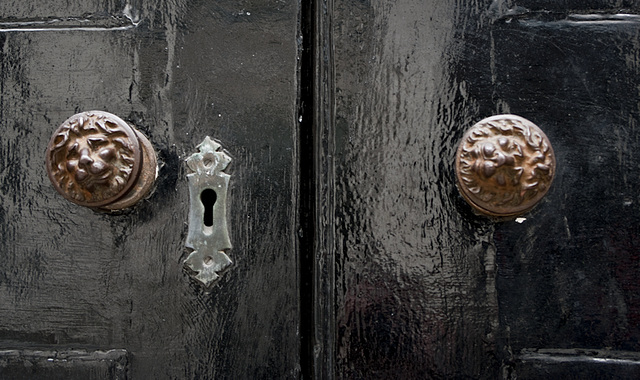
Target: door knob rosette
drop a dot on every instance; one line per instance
(504, 165)
(96, 159)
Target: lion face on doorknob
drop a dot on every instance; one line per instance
(92, 158)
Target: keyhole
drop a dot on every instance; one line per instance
(208, 198)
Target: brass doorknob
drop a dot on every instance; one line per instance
(504, 165)
(96, 159)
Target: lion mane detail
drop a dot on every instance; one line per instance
(92, 158)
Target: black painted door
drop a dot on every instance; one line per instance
(85, 294)
(354, 255)
(424, 288)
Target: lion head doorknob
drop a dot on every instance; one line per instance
(504, 165)
(96, 159)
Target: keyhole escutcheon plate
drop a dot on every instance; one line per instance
(208, 236)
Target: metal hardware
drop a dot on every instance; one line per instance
(504, 165)
(208, 235)
(96, 159)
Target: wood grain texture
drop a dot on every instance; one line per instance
(64, 364)
(16, 10)
(71, 277)
(568, 275)
(427, 289)
(421, 287)
(415, 270)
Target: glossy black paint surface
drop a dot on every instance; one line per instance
(568, 275)
(427, 289)
(415, 268)
(179, 70)
(355, 256)
(59, 364)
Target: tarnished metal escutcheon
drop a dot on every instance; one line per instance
(95, 159)
(208, 237)
(504, 165)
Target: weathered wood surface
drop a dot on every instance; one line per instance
(179, 70)
(427, 289)
(424, 288)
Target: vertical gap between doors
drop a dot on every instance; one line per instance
(307, 184)
(316, 219)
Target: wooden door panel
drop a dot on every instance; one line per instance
(422, 287)
(63, 364)
(72, 278)
(570, 279)
(16, 11)
(426, 288)
(415, 293)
